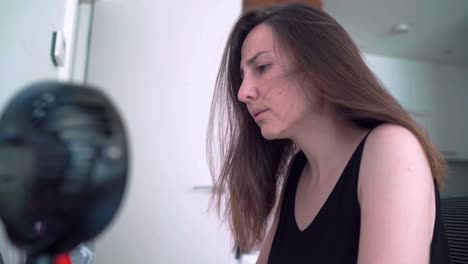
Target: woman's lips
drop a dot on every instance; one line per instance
(259, 115)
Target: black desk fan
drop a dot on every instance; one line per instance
(63, 167)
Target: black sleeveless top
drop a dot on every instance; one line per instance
(333, 236)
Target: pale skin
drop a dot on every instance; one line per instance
(395, 186)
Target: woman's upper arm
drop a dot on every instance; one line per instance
(397, 199)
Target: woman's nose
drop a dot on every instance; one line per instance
(247, 92)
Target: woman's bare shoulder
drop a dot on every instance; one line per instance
(397, 199)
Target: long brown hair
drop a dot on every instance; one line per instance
(246, 168)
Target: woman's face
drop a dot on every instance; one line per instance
(270, 87)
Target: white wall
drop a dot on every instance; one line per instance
(419, 85)
(83, 26)
(158, 61)
(456, 182)
(25, 39)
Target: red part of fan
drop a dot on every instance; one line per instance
(62, 259)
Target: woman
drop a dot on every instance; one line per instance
(303, 114)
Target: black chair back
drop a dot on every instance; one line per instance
(455, 213)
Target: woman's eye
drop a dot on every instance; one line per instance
(262, 68)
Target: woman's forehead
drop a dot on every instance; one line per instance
(259, 39)
(261, 42)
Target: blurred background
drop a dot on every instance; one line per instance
(158, 61)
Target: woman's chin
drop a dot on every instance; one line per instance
(270, 135)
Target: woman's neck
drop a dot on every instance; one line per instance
(328, 144)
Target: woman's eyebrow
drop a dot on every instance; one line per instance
(255, 57)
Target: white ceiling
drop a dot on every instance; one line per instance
(438, 28)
